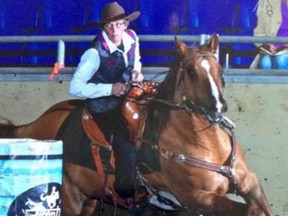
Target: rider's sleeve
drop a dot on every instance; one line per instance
(137, 63)
(129, 38)
(79, 85)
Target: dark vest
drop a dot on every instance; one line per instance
(112, 69)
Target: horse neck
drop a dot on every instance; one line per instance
(194, 133)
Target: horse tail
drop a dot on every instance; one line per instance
(6, 128)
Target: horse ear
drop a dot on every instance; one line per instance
(181, 47)
(214, 43)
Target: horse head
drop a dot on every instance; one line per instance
(199, 82)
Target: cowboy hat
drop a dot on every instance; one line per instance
(114, 11)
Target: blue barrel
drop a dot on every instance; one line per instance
(30, 177)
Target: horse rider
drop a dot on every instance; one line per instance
(101, 76)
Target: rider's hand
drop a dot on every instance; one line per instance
(137, 76)
(118, 89)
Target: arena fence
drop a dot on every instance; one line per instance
(242, 75)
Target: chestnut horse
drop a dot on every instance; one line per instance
(200, 161)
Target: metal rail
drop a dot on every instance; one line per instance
(156, 38)
(65, 74)
(155, 73)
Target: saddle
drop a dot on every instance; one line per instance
(134, 115)
(93, 131)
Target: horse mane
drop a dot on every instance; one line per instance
(166, 89)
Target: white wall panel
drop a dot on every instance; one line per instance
(260, 112)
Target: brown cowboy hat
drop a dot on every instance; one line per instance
(114, 11)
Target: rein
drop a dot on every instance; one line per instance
(190, 106)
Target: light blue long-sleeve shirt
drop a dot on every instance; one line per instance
(89, 64)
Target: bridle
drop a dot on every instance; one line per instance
(189, 105)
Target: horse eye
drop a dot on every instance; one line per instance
(191, 72)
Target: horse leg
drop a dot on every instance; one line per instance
(251, 190)
(81, 187)
(78, 188)
(211, 203)
(89, 207)
(72, 198)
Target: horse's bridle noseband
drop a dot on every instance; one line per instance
(191, 107)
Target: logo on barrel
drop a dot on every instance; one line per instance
(42, 200)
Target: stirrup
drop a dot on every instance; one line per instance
(161, 199)
(165, 201)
